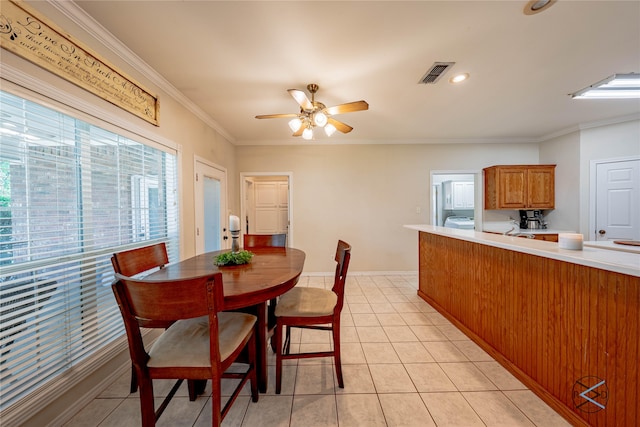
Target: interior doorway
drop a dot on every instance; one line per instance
(210, 206)
(457, 196)
(266, 203)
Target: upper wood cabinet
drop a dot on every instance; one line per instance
(519, 187)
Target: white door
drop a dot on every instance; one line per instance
(271, 207)
(210, 207)
(266, 203)
(618, 200)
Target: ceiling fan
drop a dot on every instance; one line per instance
(314, 113)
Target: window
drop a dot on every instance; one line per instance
(71, 194)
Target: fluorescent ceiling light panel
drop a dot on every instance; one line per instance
(618, 86)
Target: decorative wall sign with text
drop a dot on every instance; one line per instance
(40, 42)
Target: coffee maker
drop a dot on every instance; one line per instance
(531, 220)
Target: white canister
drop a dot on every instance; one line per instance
(570, 241)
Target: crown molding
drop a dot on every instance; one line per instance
(589, 125)
(612, 121)
(57, 95)
(79, 17)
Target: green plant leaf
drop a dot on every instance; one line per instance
(233, 258)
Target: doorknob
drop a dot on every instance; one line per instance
(602, 232)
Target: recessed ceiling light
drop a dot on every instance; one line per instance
(459, 78)
(617, 86)
(537, 6)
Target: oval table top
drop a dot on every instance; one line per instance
(270, 273)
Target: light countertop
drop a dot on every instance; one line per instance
(596, 257)
(608, 244)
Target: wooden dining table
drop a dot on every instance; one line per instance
(270, 273)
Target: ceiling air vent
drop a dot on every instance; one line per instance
(435, 72)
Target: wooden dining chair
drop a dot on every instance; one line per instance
(201, 344)
(136, 261)
(139, 260)
(253, 241)
(264, 241)
(313, 308)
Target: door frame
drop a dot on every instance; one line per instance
(243, 198)
(198, 210)
(478, 190)
(592, 189)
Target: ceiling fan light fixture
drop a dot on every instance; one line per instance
(307, 134)
(295, 124)
(537, 6)
(319, 118)
(329, 129)
(314, 114)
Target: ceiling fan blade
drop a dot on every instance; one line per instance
(301, 98)
(342, 127)
(276, 116)
(299, 131)
(349, 107)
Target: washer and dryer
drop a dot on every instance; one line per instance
(463, 222)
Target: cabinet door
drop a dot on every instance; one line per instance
(469, 195)
(541, 187)
(547, 237)
(512, 188)
(519, 187)
(458, 195)
(447, 195)
(463, 195)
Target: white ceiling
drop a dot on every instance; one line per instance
(236, 59)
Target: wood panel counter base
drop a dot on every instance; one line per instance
(559, 327)
(557, 406)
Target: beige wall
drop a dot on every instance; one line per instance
(564, 152)
(615, 141)
(573, 154)
(364, 194)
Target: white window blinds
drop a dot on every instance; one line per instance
(71, 194)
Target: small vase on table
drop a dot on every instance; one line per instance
(234, 228)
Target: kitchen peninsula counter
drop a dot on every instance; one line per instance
(626, 263)
(565, 322)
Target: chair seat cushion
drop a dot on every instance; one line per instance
(186, 342)
(306, 302)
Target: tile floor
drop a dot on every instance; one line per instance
(404, 364)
